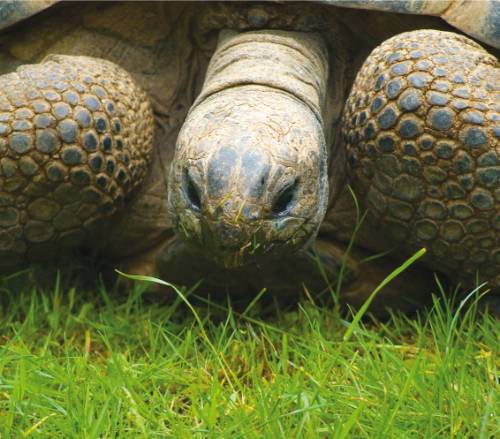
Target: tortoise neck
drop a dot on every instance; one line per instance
(292, 62)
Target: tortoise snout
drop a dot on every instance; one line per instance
(230, 182)
(250, 198)
(236, 206)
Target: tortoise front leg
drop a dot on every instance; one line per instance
(76, 134)
(421, 128)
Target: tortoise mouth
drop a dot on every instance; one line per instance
(185, 266)
(232, 244)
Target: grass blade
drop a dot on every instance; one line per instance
(362, 310)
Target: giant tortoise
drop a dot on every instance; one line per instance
(277, 145)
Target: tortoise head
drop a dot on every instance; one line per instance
(249, 175)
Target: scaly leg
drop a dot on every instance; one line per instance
(76, 135)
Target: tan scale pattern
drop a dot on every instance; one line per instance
(421, 127)
(76, 134)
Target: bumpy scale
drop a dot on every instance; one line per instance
(76, 134)
(421, 127)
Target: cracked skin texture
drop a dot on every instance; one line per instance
(166, 48)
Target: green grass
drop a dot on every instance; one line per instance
(85, 363)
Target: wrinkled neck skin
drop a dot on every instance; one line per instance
(249, 177)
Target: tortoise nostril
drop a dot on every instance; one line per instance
(191, 191)
(193, 194)
(283, 202)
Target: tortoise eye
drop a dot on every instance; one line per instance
(283, 202)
